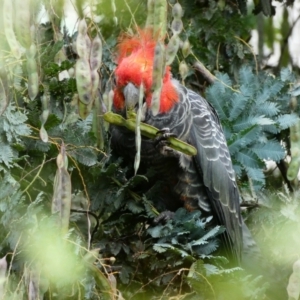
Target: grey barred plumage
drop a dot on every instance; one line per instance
(206, 181)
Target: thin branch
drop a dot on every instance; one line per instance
(208, 75)
(285, 40)
(204, 72)
(283, 170)
(252, 51)
(36, 176)
(92, 214)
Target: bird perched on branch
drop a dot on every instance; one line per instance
(205, 181)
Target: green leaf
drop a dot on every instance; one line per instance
(286, 74)
(246, 76)
(272, 150)
(156, 232)
(239, 103)
(7, 155)
(160, 248)
(295, 91)
(255, 174)
(247, 159)
(134, 207)
(214, 96)
(203, 239)
(286, 120)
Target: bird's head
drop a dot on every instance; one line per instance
(135, 57)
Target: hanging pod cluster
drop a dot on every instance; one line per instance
(164, 56)
(8, 22)
(18, 28)
(32, 71)
(176, 27)
(175, 42)
(157, 21)
(87, 66)
(157, 17)
(61, 201)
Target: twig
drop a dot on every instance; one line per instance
(36, 176)
(285, 40)
(204, 72)
(283, 170)
(254, 56)
(92, 214)
(209, 76)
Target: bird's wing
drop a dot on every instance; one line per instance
(214, 164)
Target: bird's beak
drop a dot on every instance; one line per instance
(131, 94)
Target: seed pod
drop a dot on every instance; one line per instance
(186, 48)
(22, 22)
(107, 102)
(33, 290)
(88, 43)
(83, 42)
(160, 18)
(157, 75)
(65, 200)
(98, 126)
(177, 12)
(159, 62)
(32, 70)
(45, 115)
(150, 14)
(8, 28)
(96, 53)
(61, 201)
(176, 26)
(110, 100)
(294, 165)
(84, 80)
(138, 138)
(3, 269)
(56, 200)
(31, 52)
(95, 83)
(43, 134)
(3, 98)
(84, 109)
(183, 69)
(45, 99)
(60, 161)
(172, 49)
(293, 288)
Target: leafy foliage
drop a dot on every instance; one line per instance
(114, 248)
(12, 128)
(253, 118)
